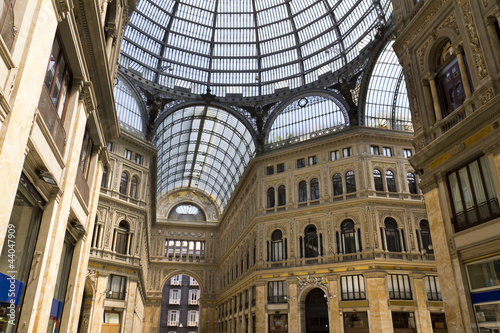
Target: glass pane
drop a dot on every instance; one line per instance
(51, 69)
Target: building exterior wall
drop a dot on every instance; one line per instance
(449, 142)
(37, 136)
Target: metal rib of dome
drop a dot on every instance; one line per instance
(247, 47)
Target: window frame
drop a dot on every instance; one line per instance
(119, 294)
(67, 73)
(348, 282)
(487, 188)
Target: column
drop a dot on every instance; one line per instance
(380, 318)
(447, 274)
(428, 102)
(207, 321)
(459, 49)
(293, 308)
(17, 125)
(260, 307)
(423, 315)
(98, 302)
(493, 39)
(435, 97)
(128, 314)
(334, 317)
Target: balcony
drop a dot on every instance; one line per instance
(174, 301)
(52, 120)
(193, 302)
(192, 323)
(173, 323)
(475, 215)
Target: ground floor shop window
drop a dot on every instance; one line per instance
(438, 323)
(111, 322)
(278, 323)
(17, 253)
(355, 322)
(404, 322)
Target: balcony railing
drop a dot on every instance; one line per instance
(475, 215)
(115, 295)
(174, 301)
(276, 299)
(52, 120)
(172, 323)
(193, 302)
(192, 323)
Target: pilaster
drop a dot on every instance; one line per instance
(380, 318)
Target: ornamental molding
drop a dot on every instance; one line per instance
(310, 281)
(475, 45)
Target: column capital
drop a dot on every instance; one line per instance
(430, 76)
(417, 276)
(491, 20)
(375, 274)
(458, 49)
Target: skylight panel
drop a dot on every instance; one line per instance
(269, 32)
(313, 13)
(204, 4)
(264, 4)
(272, 14)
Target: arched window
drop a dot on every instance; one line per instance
(124, 183)
(392, 235)
(350, 182)
(133, 187)
(281, 195)
(270, 197)
(314, 189)
(450, 80)
(302, 191)
(348, 237)
(337, 184)
(425, 235)
(412, 184)
(104, 181)
(277, 246)
(377, 180)
(311, 242)
(391, 182)
(121, 238)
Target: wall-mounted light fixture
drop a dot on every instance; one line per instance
(46, 177)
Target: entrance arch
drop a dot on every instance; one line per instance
(316, 312)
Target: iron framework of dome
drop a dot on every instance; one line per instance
(213, 83)
(247, 48)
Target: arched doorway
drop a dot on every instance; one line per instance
(316, 312)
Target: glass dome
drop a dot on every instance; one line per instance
(247, 48)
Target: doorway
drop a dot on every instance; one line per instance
(316, 312)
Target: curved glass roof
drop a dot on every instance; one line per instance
(202, 147)
(247, 47)
(387, 104)
(127, 108)
(305, 118)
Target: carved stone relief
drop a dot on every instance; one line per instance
(475, 45)
(311, 281)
